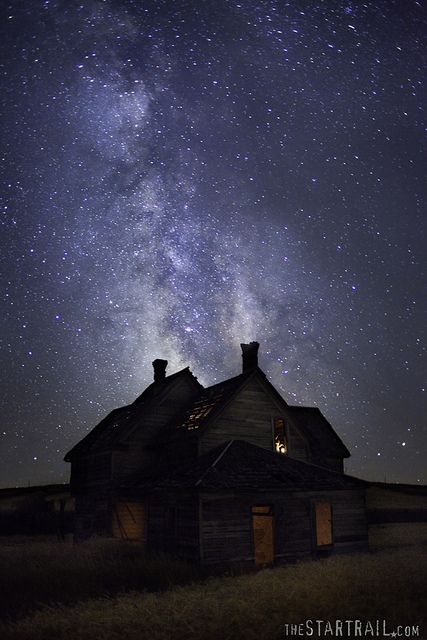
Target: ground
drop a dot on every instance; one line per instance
(76, 592)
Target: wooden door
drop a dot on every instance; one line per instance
(129, 520)
(262, 528)
(323, 513)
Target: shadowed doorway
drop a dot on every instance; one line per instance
(262, 528)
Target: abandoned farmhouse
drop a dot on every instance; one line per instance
(225, 474)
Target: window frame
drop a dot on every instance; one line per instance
(274, 419)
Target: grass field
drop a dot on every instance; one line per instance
(33, 572)
(397, 535)
(388, 583)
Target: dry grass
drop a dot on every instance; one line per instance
(389, 585)
(74, 592)
(381, 498)
(33, 573)
(397, 535)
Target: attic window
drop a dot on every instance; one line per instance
(280, 442)
(200, 410)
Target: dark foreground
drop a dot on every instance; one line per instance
(102, 592)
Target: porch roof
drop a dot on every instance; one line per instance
(239, 465)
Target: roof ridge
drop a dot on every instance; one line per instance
(227, 380)
(187, 368)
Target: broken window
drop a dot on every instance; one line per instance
(280, 442)
(201, 409)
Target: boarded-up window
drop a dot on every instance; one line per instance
(129, 520)
(280, 442)
(262, 527)
(323, 511)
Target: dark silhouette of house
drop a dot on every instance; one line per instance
(225, 474)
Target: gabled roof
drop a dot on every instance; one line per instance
(212, 401)
(114, 426)
(238, 465)
(318, 430)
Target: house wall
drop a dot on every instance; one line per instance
(296, 522)
(92, 515)
(350, 527)
(226, 530)
(335, 464)
(293, 527)
(298, 447)
(137, 457)
(89, 472)
(250, 417)
(94, 475)
(129, 520)
(173, 526)
(226, 525)
(90, 484)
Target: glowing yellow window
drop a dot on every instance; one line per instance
(280, 442)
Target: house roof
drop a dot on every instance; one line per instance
(114, 426)
(207, 404)
(211, 401)
(238, 465)
(319, 431)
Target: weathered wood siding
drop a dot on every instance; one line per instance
(263, 534)
(226, 531)
(137, 456)
(173, 526)
(226, 534)
(349, 522)
(129, 520)
(89, 472)
(92, 516)
(95, 474)
(298, 446)
(250, 417)
(293, 527)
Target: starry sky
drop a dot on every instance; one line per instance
(179, 177)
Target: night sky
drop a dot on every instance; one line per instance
(179, 177)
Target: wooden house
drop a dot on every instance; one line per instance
(225, 474)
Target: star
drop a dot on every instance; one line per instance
(177, 181)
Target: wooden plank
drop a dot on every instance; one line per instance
(129, 521)
(262, 526)
(323, 513)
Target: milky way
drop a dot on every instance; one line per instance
(179, 177)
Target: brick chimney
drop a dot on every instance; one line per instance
(249, 356)
(159, 367)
